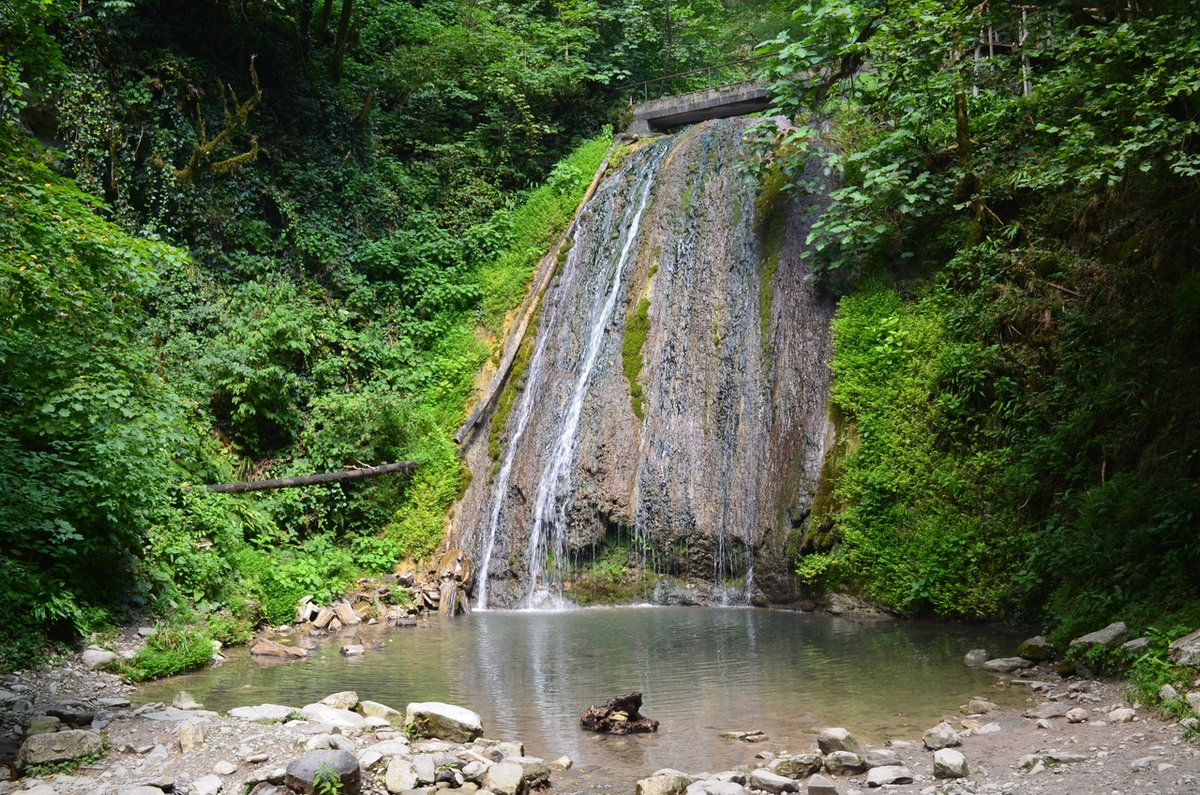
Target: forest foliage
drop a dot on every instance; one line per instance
(1013, 228)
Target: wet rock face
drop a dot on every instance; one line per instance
(733, 379)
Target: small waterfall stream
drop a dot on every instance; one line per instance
(671, 465)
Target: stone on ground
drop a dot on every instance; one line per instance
(819, 785)
(881, 757)
(224, 768)
(1193, 700)
(205, 785)
(263, 713)
(346, 699)
(842, 762)
(1185, 650)
(42, 724)
(1006, 665)
(341, 718)
(765, 780)
(948, 763)
(444, 721)
(892, 774)
(97, 658)
(59, 747)
(1110, 637)
(191, 736)
(400, 776)
(507, 778)
(981, 706)
(1051, 709)
(1121, 715)
(796, 766)
(664, 782)
(715, 787)
(837, 739)
(301, 774)
(1076, 715)
(1036, 648)
(535, 771)
(373, 709)
(941, 736)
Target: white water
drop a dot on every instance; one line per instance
(547, 539)
(533, 380)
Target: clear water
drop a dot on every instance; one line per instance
(702, 671)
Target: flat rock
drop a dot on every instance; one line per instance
(836, 738)
(1110, 637)
(340, 718)
(301, 773)
(269, 648)
(114, 703)
(1144, 763)
(205, 785)
(765, 780)
(948, 763)
(269, 713)
(444, 721)
(346, 699)
(59, 747)
(1006, 665)
(819, 785)
(373, 709)
(715, 787)
(892, 774)
(941, 736)
(176, 714)
(881, 757)
(98, 658)
(752, 736)
(1185, 650)
(1050, 709)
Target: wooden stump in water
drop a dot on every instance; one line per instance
(618, 715)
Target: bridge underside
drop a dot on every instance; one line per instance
(663, 114)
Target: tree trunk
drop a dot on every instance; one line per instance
(323, 20)
(310, 480)
(662, 87)
(339, 47)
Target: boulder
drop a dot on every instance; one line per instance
(1121, 715)
(1185, 650)
(981, 706)
(796, 766)
(1051, 709)
(534, 771)
(767, 781)
(893, 774)
(1036, 648)
(301, 774)
(819, 785)
(841, 763)
(426, 768)
(205, 785)
(1193, 700)
(1076, 715)
(948, 763)
(184, 700)
(98, 658)
(941, 736)
(1135, 646)
(191, 736)
(346, 699)
(1006, 665)
(618, 715)
(837, 739)
(1168, 693)
(881, 757)
(444, 721)
(665, 782)
(224, 768)
(400, 776)
(263, 713)
(975, 658)
(712, 786)
(42, 724)
(1110, 637)
(373, 709)
(59, 747)
(506, 778)
(340, 718)
(269, 648)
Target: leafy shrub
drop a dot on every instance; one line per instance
(169, 651)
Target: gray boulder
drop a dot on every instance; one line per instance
(765, 780)
(1006, 665)
(1051, 709)
(1193, 700)
(819, 785)
(205, 785)
(1110, 637)
(881, 757)
(1185, 650)
(843, 762)
(894, 774)
(837, 739)
(796, 766)
(941, 736)
(346, 699)
(506, 778)
(1136, 646)
(400, 776)
(534, 771)
(341, 718)
(42, 724)
(98, 658)
(948, 763)
(59, 747)
(1036, 648)
(302, 773)
(981, 706)
(664, 782)
(444, 721)
(373, 709)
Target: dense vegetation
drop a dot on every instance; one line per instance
(271, 238)
(1015, 233)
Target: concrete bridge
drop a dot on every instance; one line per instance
(738, 99)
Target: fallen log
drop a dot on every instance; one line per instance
(618, 715)
(309, 480)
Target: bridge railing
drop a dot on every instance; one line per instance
(641, 92)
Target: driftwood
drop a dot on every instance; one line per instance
(309, 480)
(618, 715)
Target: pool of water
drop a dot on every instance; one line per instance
(702, 671)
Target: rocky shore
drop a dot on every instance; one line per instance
(70, 729)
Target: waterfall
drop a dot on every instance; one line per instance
(547, 541)
(674, 463)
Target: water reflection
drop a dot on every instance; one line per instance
(702, 670)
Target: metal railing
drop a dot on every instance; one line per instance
(631, 90)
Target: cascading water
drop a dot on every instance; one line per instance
(547, 540)
(671, 416)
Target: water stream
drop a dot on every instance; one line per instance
(530, 674)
